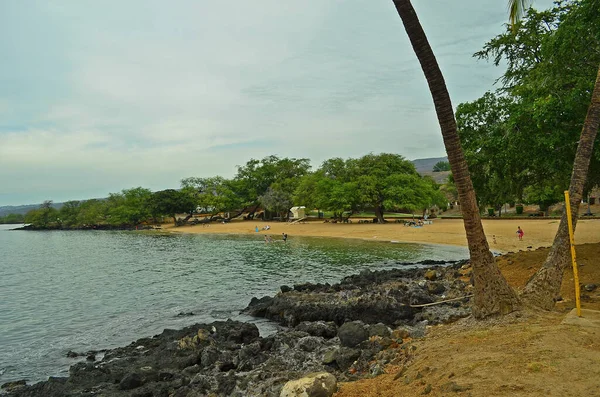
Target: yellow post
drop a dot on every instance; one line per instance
(573, 256)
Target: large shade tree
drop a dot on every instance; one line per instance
(256, 177)
(578, 34)
(492, 294)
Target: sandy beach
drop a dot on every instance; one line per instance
(538, 232)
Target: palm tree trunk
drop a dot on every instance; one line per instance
(492, 294)
(544, 286)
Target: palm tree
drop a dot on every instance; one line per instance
(492, 293)
(544, 286)
(516, 9)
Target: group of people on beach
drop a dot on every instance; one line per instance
(269, 239)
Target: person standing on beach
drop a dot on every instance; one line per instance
(520, 232)
(284, 236)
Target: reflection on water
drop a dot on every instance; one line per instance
(63, 291)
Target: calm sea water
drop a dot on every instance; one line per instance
(79, 291)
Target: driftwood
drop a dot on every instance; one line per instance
(444, 301)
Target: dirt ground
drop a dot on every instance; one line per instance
(522, 354)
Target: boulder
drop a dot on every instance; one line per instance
(346, 356)
(379, 329)
(320, 384)
(324, 329)
(309, 343)
(431, 275)
(352, 333)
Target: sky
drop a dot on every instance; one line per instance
(96, 97)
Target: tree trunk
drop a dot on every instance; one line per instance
(379, 214)
(239, 213)
(492, 294)
(544, 286)
(251, 213)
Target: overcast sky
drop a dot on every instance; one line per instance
(98, 96)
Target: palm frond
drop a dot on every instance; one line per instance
(516, 10)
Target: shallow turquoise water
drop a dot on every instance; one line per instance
(87, 290)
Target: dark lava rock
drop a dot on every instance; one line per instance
(258, 307)
(285, 288)
(229, 358)
(131, 381)
(590, 287)
(379, 330)
(435, 288)
(324, 329)
(309, 343)
(346, 356)
(72, 354)
(10, 386)
(352, 333)
(209, 356)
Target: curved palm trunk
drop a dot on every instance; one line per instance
(492, 294)
(544, 286)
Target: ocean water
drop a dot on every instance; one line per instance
(90, 290)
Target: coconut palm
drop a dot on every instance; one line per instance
(492, 294)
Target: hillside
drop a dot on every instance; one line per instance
(424, 166)
(23, 209)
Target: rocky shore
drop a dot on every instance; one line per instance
(360, 327)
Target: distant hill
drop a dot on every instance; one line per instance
(23, 209)
(425, 167)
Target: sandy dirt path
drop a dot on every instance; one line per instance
(501, 233)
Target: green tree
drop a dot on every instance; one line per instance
(69, 213)
(92, 213)
(441, 166)
(492, 293)
(212, 195)
(130, 207)
(12, 219)
(492, 150)
(552, 74)
(577, 34)
(256, 176)
(374, 174)
(45, 217)
(276, 200)
(412, 193)
(171, 202)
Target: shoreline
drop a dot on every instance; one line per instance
(338, 329)
(501, 234)
(229, 358)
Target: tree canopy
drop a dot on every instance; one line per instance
(521, 139)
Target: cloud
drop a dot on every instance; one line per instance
(101, 97)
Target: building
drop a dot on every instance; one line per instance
(298, 212)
